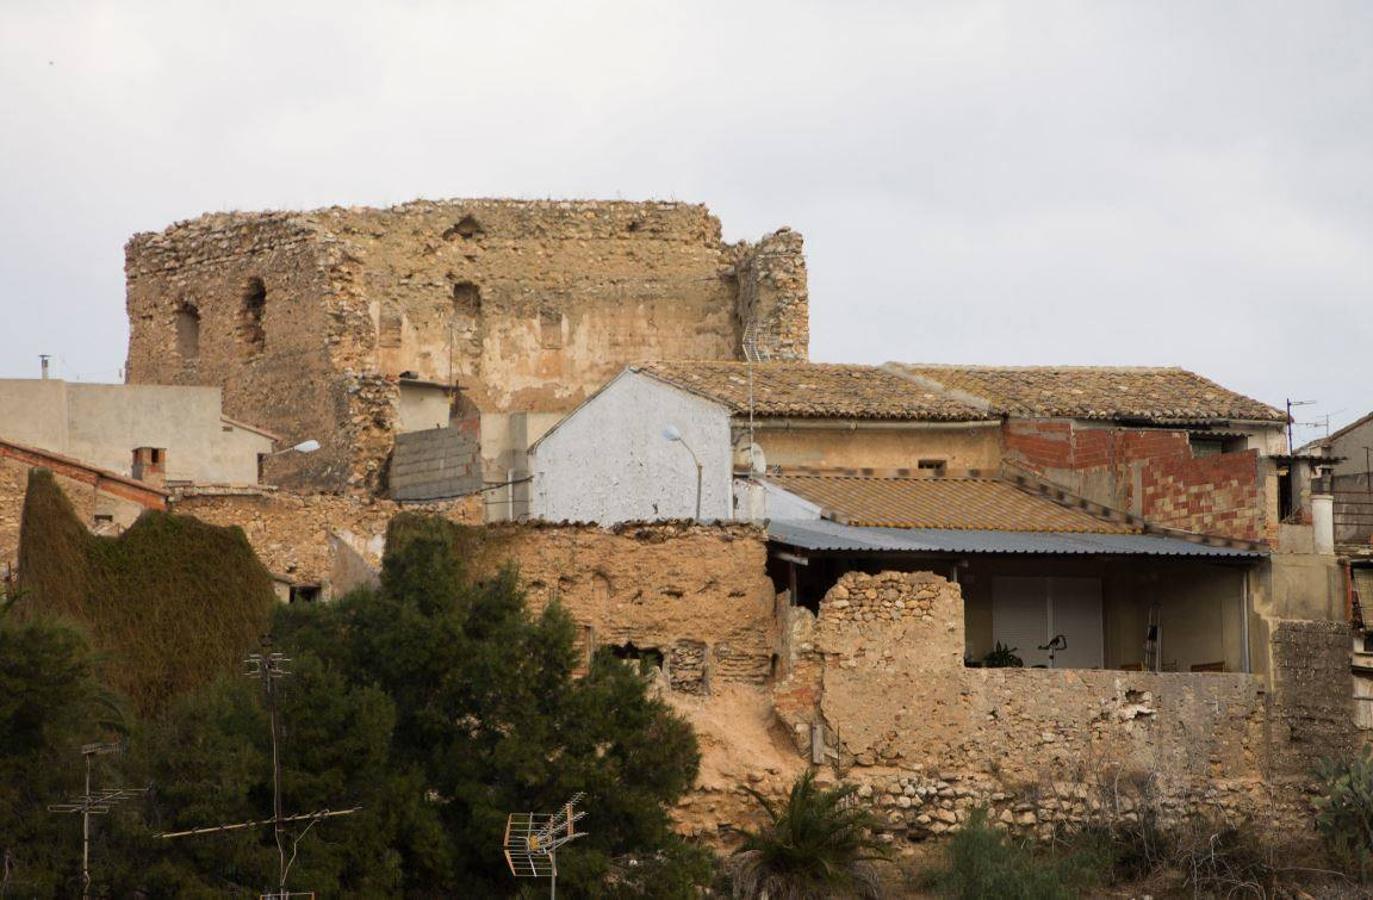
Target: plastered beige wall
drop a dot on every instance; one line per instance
(961, 448)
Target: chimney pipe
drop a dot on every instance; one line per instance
(43, 360)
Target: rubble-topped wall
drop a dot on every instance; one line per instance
(331, 540)
(697, 595)
(528, 306)
(881, 670)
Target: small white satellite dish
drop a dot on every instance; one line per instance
(757, 462)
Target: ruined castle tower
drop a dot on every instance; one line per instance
(491, 317)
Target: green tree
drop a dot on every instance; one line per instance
(210, 760)
(490, 715)
(820, 844)
(51, 703)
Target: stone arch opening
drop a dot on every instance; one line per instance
(187, 320)
(250, 313)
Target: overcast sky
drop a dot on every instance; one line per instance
(1174, 183)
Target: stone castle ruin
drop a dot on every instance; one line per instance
(492, 318)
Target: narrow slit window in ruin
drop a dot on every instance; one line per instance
(188, 332)
(390, 325)
(250, 331)
(550, 329)
(467, 297)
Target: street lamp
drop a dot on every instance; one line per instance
(674, 434)
(309, 446)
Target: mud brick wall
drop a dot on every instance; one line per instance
(698, 594)
(333, 540)
(307, 319)
(881, 670)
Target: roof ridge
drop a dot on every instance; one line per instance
(1050, 367)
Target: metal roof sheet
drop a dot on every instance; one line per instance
(820, 534)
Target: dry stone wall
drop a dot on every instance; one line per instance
(308, 319)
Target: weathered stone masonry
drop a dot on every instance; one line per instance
(881, 671)
(307, 320)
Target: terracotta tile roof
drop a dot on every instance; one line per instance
(957, 503)
(1094, 392)
(814, 390)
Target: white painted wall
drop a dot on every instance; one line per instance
(757, 500)
(608, 462)
(102, 424)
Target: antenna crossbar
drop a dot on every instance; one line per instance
(257, 823)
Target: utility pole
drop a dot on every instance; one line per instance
(93, 803)
(269, 667)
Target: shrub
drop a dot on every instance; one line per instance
(984, 861)
(1344, 811)
(820, 844)
(1003, 657)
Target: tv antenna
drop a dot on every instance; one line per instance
(532, 841)
(752, 354)
(269, 667)
(1291, 403)
(92, 803)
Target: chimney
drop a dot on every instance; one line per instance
(1323, 514)
(43, 361)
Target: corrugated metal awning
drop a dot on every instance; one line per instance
(821, 534)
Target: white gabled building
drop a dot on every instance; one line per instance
(630, 451)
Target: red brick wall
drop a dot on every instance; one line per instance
(1220, 494)
(1147, 471)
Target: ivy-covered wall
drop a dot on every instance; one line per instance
(170, 603)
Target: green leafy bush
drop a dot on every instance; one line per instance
(1002, 657)
(1344, 811)
(983, 861)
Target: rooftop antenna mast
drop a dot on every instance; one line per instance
(752, 354)
(532, 841)
(1291, 448)
(93, 803)
(269, 667)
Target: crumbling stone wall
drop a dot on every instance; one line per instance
(308, 319)
(332, 540)
(697, 594)
(880, 670)
(1310, 663)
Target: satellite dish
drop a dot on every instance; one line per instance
(757, 462)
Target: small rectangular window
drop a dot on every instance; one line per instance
(935, 467)
(104, 519)
(304, 593)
